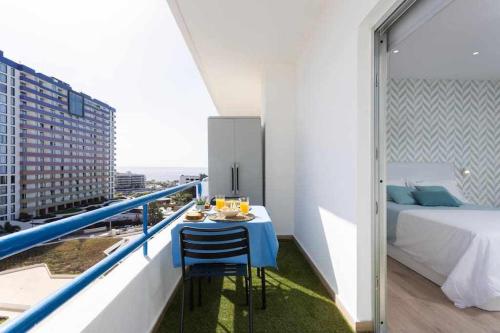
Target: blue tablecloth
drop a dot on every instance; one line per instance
(263, 240)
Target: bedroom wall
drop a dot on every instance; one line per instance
(455, 121)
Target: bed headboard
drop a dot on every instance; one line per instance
(421, 171)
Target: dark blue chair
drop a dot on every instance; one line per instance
(214, 244)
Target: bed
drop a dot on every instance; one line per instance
(457, 248)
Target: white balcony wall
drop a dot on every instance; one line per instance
(278, 110)
(129, 299)
(333, 149)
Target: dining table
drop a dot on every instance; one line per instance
(262, 236)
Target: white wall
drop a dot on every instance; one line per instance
(128, 300)
(333, 149)
(278, 112)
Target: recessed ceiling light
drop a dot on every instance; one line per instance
(475, 53)
(395, 51)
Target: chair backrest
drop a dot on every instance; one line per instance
(213, 244)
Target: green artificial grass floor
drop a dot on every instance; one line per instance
(296, 302)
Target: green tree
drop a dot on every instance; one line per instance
(182, 198)
(9, 228)
(155, 214)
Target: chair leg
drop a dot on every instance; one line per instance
(258, 272)
(250, 303)
(246, 290)
(263, 281)
(199, 291)
(181, 330)
(191, 294)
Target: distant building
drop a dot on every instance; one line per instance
(129, 181)
(57, 146)
(188, 179)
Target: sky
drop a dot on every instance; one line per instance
(127, 53)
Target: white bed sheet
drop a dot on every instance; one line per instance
(463, 245)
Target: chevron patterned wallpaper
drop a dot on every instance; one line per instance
(454, 121)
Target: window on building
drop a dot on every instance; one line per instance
(3, 68)
(75, 104)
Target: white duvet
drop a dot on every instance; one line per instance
(463, 245)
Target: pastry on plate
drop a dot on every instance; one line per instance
(194, 215)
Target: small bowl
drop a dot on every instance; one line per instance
(229, 213)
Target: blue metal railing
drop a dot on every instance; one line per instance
(26, 239)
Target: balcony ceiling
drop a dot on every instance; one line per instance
(233, 40)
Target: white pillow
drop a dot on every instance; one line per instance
(450, 185)
(397, 182)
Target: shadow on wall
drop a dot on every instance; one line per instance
(329, 239)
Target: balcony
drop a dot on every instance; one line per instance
(134, 289)
(306, 67)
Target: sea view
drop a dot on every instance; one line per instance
(164, 173)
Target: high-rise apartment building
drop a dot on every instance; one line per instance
(57, 146)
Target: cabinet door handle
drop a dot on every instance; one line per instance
(232, 179)
(237, 179)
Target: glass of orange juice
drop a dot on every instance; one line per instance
(220, 201)
(244, 205)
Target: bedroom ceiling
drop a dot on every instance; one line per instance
(462, 41)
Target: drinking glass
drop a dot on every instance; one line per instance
(220, 201)
(244, 205)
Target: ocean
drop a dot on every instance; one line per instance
(164, 173)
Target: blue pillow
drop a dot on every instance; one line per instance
(401, 195)
(437, 188)
(433, 188)
(435, 198)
